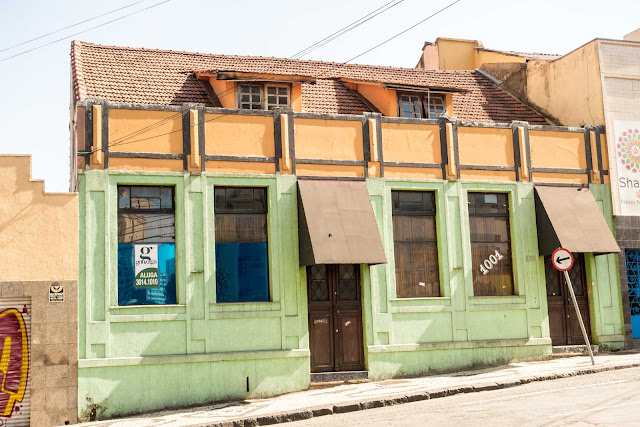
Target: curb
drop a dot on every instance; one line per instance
(341, 408)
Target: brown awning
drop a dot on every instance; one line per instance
(336, 224)
(569, 217)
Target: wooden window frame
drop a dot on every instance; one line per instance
(424, 214)
(409, 94)
(264, 104)
(424, 99)
(427, 106)
(276, 85)
(475, 269)
(239, 86)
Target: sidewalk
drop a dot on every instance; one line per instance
(354, 397)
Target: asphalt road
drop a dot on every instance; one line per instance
(607, 398)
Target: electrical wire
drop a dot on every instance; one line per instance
(83, 31)
(346, 29)
(403, 31)
(71, 26)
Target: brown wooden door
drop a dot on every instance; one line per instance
(564, 327)
(335, 318)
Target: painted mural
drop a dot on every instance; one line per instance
(14, 361)
(628, 166)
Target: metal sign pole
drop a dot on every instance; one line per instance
(575, 305)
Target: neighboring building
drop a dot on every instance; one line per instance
(248, 224)
(38, 299)
(596, 84)
(459, 54)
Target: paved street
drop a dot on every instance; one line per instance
(607, 398)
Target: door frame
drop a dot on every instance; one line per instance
(568, 308)
(332, 283)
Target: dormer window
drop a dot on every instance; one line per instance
(422, 106)
(263, 96)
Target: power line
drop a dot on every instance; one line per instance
(71, 26)
(346, 29)
(403, 31)
(123, 139)
(83, 31)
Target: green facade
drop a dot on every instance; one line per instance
(135, 359)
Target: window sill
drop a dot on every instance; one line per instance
(245, 309)
(421, 301)
(507, 302)
(148, 309)
(420, 305)
(505, 299)
(147, 313)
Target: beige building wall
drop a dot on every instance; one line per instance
(568, 88)
(38, 231)
(39, 241)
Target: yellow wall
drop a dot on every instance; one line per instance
(460, 54)
(457, 54)
(239, 135)
(485, 146)
(411, 143)
(38, 231)
(384, 100)
(296, 97)
(145, 131)
(225, 91)
(329, 139)
(568, 88)
(557, 149)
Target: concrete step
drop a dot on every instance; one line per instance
(572, 350)
(330, 379)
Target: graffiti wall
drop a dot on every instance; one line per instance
(15, 331)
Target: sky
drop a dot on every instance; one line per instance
(34, 114)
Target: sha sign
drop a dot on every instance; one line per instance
(562, 259)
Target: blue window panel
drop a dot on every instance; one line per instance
(242, 272)
(165, 293)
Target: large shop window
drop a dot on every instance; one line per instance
(490, 244)
(242, 262)
(415, 244)
(146, 245)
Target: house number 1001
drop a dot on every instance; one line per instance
(488, 264)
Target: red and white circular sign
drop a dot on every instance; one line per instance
(562, 259)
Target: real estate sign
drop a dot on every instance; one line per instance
(627, 148)
(145, 259)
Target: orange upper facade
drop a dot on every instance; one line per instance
(153, 110)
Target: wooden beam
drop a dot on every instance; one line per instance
(241, 76)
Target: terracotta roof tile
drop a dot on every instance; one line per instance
(164, 77)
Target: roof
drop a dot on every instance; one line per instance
(165, 77)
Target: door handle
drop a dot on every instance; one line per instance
(336, 331)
